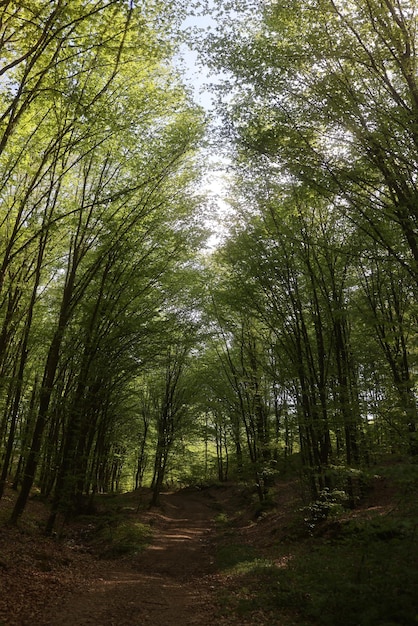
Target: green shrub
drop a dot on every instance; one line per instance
(329, 504)
(366, 578)
(230, 555)
(222, 520)
(123, 539)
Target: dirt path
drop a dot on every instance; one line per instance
(167, 584)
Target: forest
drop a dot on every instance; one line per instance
(133, 353)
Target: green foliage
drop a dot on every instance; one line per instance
(329, 504)
(267, 504)
(230, 556)
(258, 582)
(366, 576)
(222, 520)
(379, 528)
(123, 538)
(97, 160)
(404, 475)
(253, 566)
(319, 269)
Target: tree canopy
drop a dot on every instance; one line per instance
(131, 354)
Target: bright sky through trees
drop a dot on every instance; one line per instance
(199, 79)
(120, 341)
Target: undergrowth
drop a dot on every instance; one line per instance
(115, 538)
(367, 576)
(357, 572)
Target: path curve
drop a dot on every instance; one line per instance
(166, 585)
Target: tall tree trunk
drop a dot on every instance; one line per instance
(47, 386)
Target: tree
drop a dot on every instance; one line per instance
(172, 397)
(324, 148)
(110, 174)
(290, 267)
(335, 108)
(388, 296)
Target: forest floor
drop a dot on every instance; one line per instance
(210, 556)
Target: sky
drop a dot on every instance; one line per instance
(215, 182)
(196, 73)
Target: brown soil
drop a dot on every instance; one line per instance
(165, 584)
(173, 582)
(62, 583)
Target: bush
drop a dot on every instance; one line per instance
(123, 539)
(329, 504)
(368, 577)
